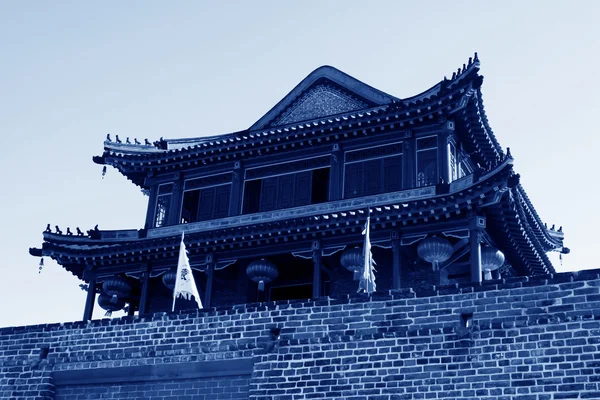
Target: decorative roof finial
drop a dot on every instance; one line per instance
(470, 61)
(476, 59)
(127, 140)
(453, 75)
(79, 233)
(136, 141)
(108, 137)
(552, 228)
(117, 139)
(464, 68)
(508, 155)
(48, 229)
(69, 233)
(458, 72)
(560, 229)
(58, 231)
(147, 142)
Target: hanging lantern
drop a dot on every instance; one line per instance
(42, 265)
(106, 302)
(117, 287)
(353, 259)
(169, 277)
(435, 250)
(262, 271)
(491, 260)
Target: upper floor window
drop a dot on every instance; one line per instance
(286, 191)
(206, 198)
(452, 162)
(163, 205)
(427, 161)
(373, 170)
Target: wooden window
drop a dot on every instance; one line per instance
(163, 205)
(452, 167)
(427, 161)
(375, 176)
(206, 203)
(286, 191)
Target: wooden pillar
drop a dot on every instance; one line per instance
(151, 207)
(176, 201)
(210, 267)
(397, 264)
(475, 256)
(443, 157)
(91, 295)
(336, 179)
(316, 256)
(144, 294)
(237, 188)
(408, 157)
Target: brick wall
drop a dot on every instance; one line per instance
(235, 387)
(518, 338)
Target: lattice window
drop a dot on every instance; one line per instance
(205, 181)
(426, 142)
(427, 167)
(374, 152)
(163, 205)
(288, 167)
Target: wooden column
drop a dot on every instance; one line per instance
(408, 159)
(443, 157)
(176, 200)
(397, 264)
(91, 295)
(475, 256)
(151, 207)
(144, 294)
(316, 256)
(210, 267)
(336, 178)
(237, 188)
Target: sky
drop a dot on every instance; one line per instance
(71, 72)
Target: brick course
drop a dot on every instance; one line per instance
(529, 338)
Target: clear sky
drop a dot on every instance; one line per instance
(72, 71)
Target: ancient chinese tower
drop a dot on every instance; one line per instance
(275, 212)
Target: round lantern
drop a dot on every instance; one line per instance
(491, 260)
(117, 287)
(262, 271)
(169, 277)
(106, 302)
(352, 260)
(435, 250)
